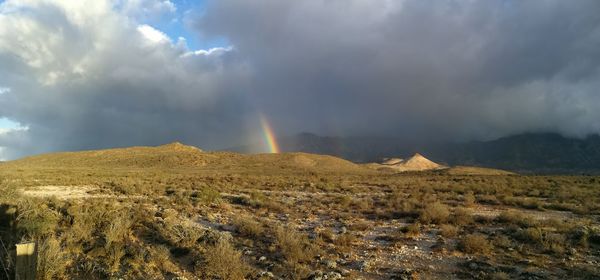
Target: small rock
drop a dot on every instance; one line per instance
(330, 264)
(333, 276)
(405, 274)
(343, 230)
(262, 259)
(364, 265)
(573, 251)
(316, 275)
(266, 274)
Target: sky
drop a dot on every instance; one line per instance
(217, 73)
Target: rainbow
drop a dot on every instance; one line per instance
(269, 136)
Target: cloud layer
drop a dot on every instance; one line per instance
(89, 75)
(455, 69)
(94, 75)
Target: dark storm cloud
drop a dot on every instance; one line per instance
(455, 69)
(90, 75)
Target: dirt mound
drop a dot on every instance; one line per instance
(415, 163)
(391, 161)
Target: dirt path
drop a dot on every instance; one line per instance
(71, 192)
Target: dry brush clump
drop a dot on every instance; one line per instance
(223, 261)
(475, 244)
(436, 213)
(294, 246)
(449, 231)
(412, 230)
(52, 259)
(248, 226)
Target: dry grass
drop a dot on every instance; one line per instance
(52, 259)
(436, 213)
(223, 261)
(157, 221)
(475, 244)
(293, 246)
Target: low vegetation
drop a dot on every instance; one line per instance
(284, 218)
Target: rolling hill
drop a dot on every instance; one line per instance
(177, 155)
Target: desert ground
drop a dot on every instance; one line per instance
(176, 212)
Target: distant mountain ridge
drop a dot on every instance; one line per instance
(528, 153)
(535, 152)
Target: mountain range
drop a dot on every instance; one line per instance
(524, 153)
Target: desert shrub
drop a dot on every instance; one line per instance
(327, 235)
(469, 199)
(35, 219)
(52, 259)
(555, 243)
(412, 229)
(161, 256)
(500, 276)
(345, 240)
(87, 220)
(248, 226)
(448, 231)
(359, 226)
(488, 199)
(224, 262)
(294, 247)
(462, 216)
(530, 235)
(206, 195)
(117, 230)
(517, 218)
(114, 255)
(344, 201)
(362, 204)
(405, 208)
(181, 233)
(502, 241)
(435, 213)
(594, 237)
(475, 244)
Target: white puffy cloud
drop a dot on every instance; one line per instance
(153, 35)
(88, 76)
